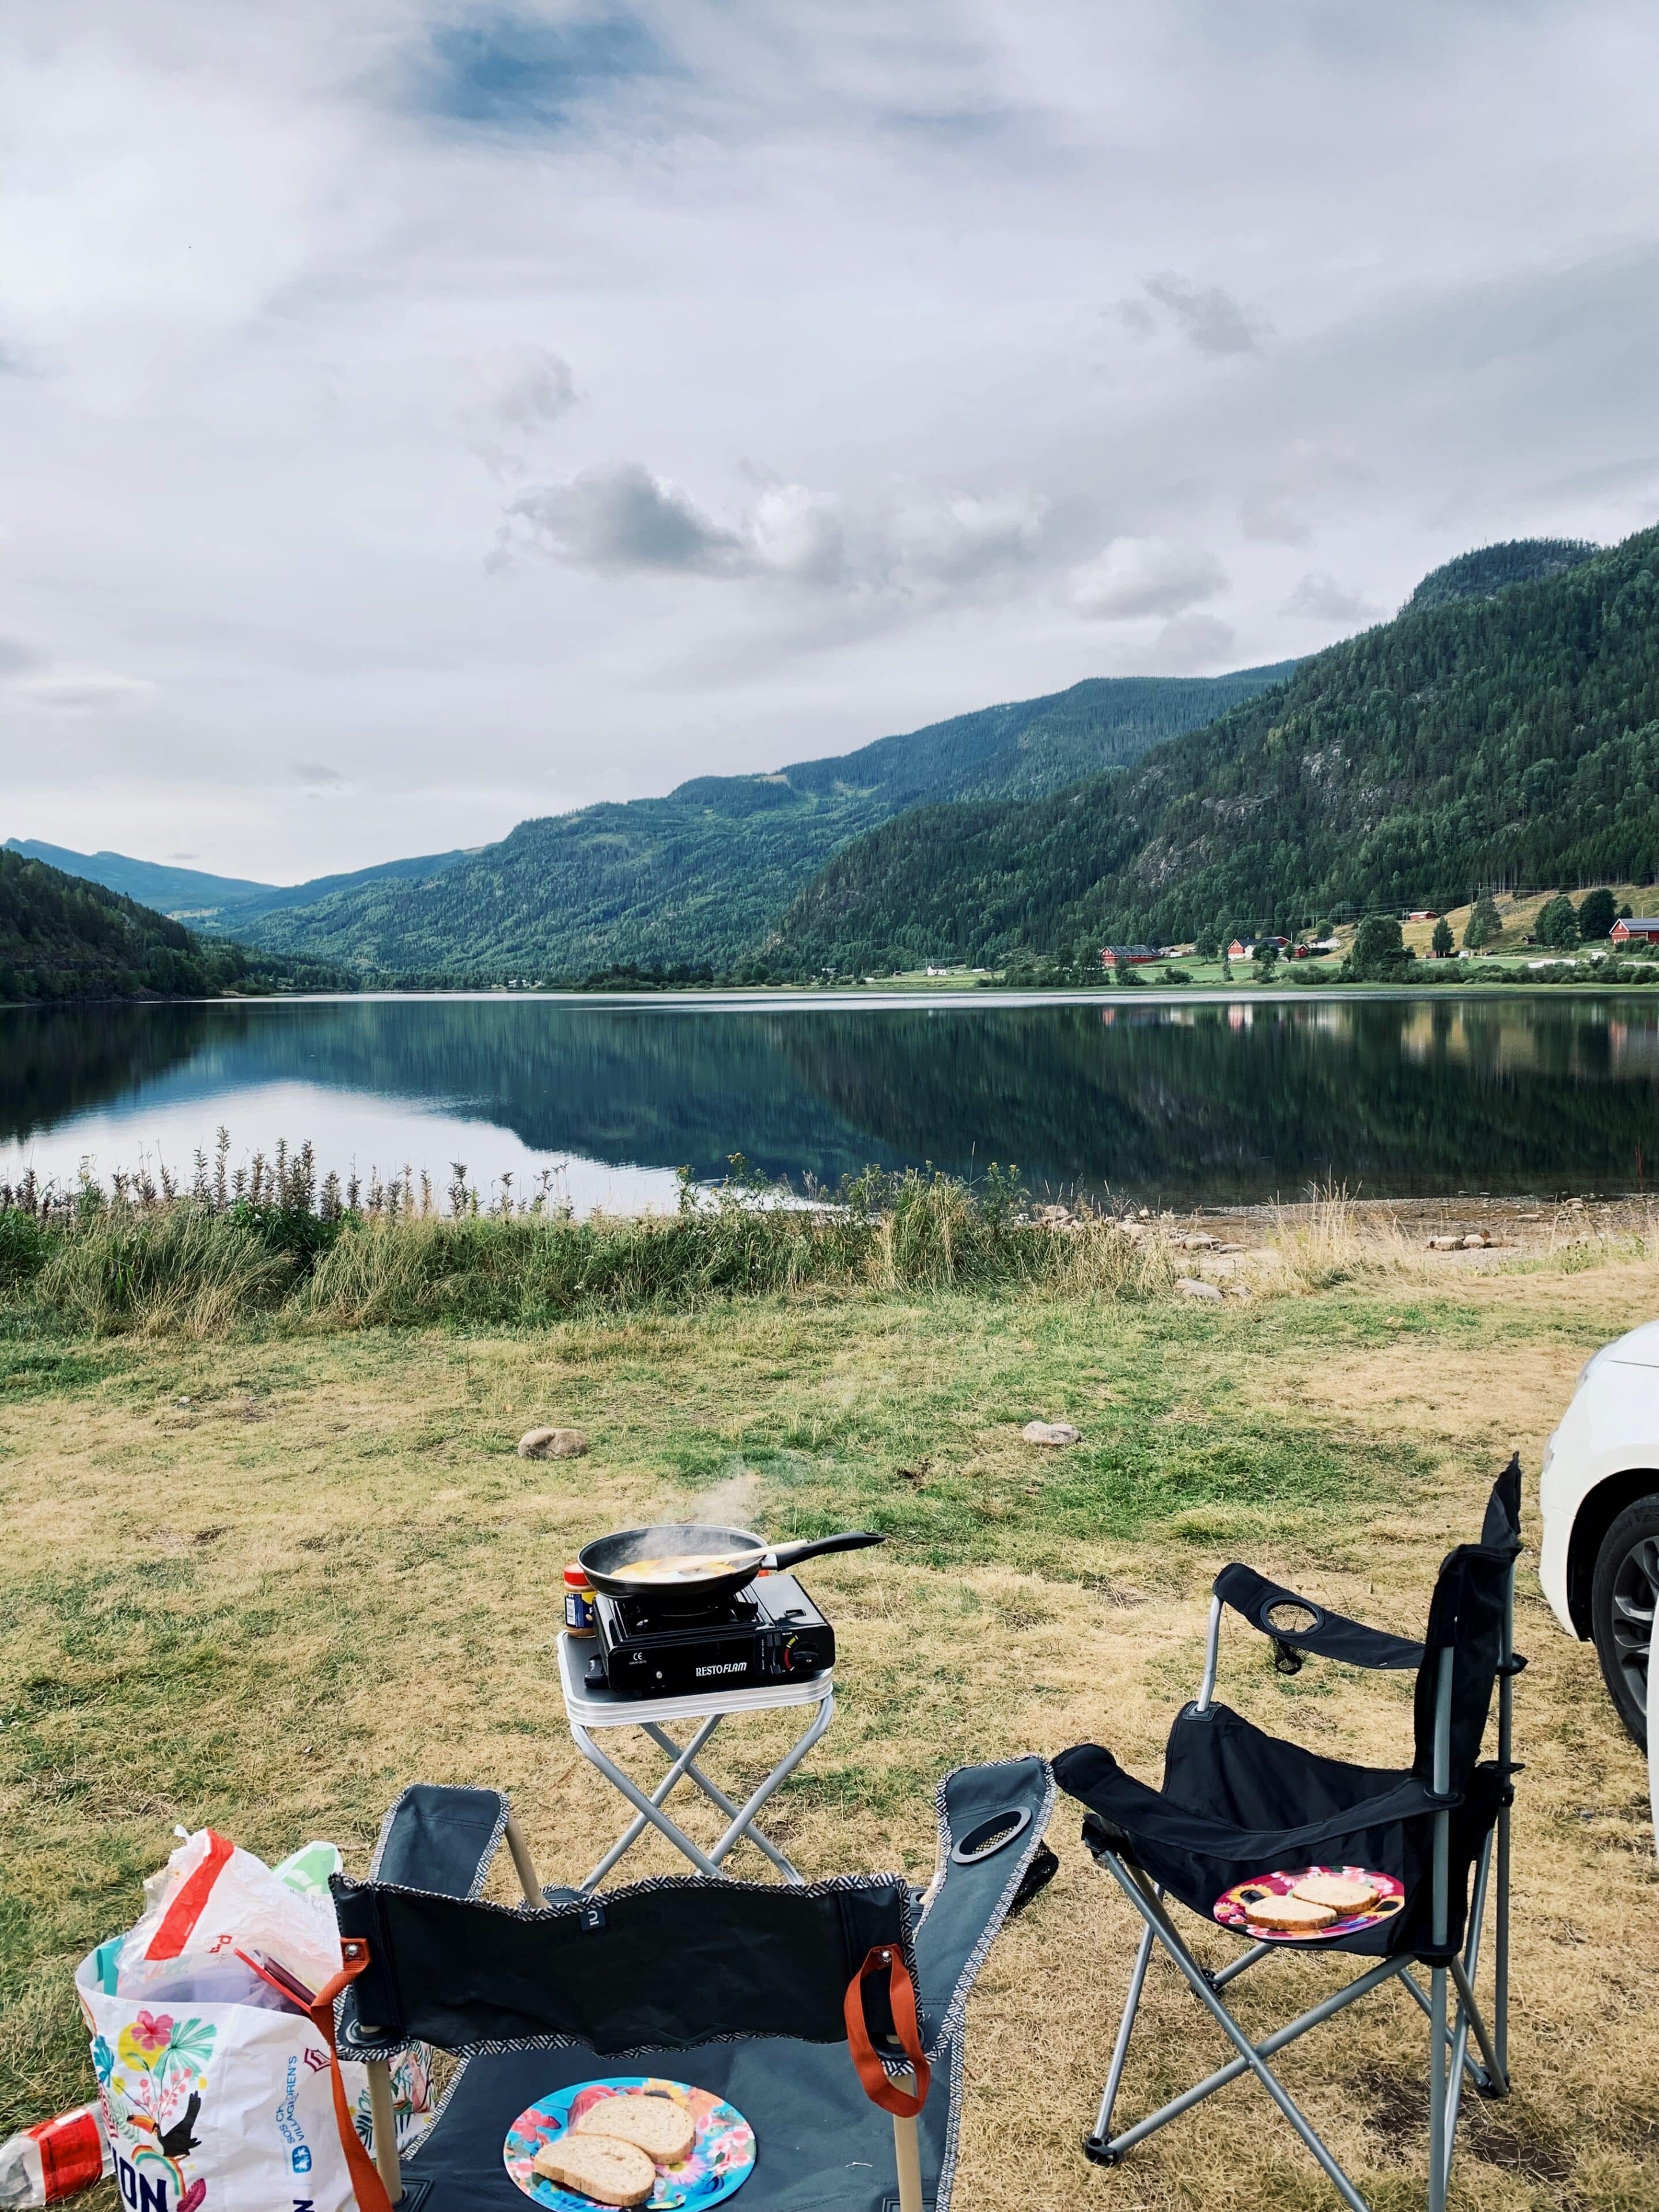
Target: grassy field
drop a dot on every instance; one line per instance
(263, 1581)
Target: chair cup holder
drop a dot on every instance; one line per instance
(991, 1836)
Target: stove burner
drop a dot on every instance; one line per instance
(772, 1632)
(646, 1616)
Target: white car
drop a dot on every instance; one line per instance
(1598, 1493)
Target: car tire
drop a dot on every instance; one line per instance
(1623, 1594)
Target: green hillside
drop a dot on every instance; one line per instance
(62, 938)
(216, 903)
(1511, 738)
(698, 877)
(1493, 568)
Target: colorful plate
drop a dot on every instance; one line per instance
(721, 2160)
(1229, 1906)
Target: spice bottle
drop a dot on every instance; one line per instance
(578, 1601)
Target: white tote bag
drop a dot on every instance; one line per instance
(226, 2108)
(217, 2092)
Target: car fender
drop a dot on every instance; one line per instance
(1604, 1455)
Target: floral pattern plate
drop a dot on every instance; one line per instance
(719, 2161)
(1229, 1906)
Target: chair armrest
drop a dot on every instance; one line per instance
(1303, 1626)
(1125, 1813)
(991, 1824)
(440, 1838)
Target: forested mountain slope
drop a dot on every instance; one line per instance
(1493, 568)
(700, 876)
(1512, 739)
(63, 939)
(218, 903)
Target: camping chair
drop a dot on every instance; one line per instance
(1237, 1802)
(819, 2010)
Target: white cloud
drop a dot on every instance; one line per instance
(82, 691)
(619, 518)
(1137, 576)
(534, 391)
(1320, 597)
(1193, 644)
(1209, 318)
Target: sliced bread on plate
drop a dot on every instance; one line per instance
(662, 2130)
(600, 2166)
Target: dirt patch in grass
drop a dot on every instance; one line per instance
(272, 1626)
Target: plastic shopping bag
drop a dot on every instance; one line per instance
(212, 1896)
(218, 2089)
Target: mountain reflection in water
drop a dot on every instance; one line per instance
(1196, 1101)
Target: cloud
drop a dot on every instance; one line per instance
(1266, 520)
(1137, 576)
(16, 658)
(318, 779)
(1210, 320)
(622, 516)
(619, 518)
(535, 391)
(1192, 644)
(1320, 597)
(84, 690)
(184, 856)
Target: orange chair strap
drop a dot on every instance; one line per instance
(880, 2086)
(367, 2185)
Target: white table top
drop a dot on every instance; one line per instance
(590, 1708)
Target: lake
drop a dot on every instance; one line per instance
(1152, 1097)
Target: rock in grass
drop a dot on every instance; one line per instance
(1051, 1432)
(1190, 1287)
(552, 1443)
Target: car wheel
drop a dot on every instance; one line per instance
(1623, 1597)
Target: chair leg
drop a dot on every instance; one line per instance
(1152, 1910)
(1098, 2146)
(1436, 2089)
(907, 2159)
(383, 2114)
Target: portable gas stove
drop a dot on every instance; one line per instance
(770, 1633)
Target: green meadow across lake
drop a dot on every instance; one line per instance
(1185, 1100)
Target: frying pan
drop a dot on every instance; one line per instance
(605, 1561)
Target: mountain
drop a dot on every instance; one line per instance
(62, 938)
(698, 877)
(1506, 739)
(1493, 568)
(150, 883)
(215, 901)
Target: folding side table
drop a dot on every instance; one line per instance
(588, 1708)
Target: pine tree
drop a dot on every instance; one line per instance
(1485, 926)
(1596, 915)
(1557, 925)
(1441, 942)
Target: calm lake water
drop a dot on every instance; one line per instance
(1194, 1100)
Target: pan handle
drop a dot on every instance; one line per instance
(786, 1555)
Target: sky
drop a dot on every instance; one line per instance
(418, 416)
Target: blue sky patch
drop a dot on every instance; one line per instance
(513, 72)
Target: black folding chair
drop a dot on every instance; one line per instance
(819, 2011)
(1237, 1803)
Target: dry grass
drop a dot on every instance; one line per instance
(265, 1584)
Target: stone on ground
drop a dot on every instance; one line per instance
(552, 1443)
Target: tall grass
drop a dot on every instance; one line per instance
(170, 1257)
(178, 1270)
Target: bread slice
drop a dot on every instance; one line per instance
(1345, 1893)
(1289, 1916)
(664, 2130)
(600, 2166)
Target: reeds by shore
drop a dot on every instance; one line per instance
(159, 1253)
